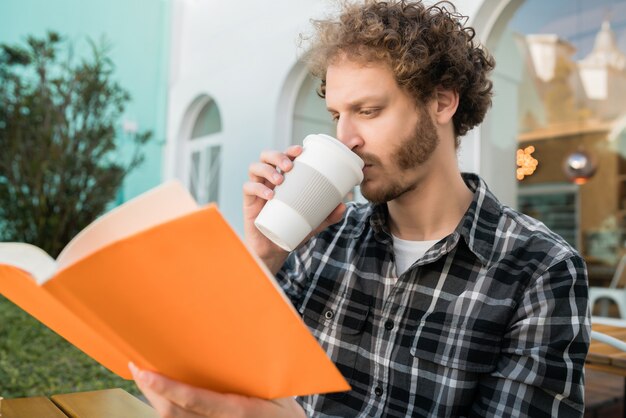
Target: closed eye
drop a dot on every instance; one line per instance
(369, 112)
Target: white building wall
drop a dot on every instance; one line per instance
(500, 129)
(244, 54)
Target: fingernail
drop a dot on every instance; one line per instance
(268, 193)
(277, 177)
(286, 163)
(137, 374)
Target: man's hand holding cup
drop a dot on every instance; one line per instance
(294, 195)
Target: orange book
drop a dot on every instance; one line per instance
(170, 286)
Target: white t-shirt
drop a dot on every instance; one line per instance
(408, 252)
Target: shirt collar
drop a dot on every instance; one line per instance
(477, 227)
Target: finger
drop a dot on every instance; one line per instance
(293, 151)
(164, 407)
(186, 397)
(277, 159)
(262, 181)
(284, 407)
(264, 172)
(253, 190)
(174, 399)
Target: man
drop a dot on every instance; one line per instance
(433, 299)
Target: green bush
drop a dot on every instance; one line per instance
(35, 361)
(59, 124)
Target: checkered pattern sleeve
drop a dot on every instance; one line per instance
(540, 370)
(293, 277)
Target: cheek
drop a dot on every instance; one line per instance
(402, 124)
(389, 129)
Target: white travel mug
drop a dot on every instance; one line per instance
(320, 178)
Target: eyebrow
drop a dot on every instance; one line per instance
(361, 101)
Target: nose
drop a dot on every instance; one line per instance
(348, 133)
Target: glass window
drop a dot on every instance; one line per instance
(212, 172)
(556, 205)
(202, 151)
(310, 114)
(561, 69)
(208, 121)
(204, 176)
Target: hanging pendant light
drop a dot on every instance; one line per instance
(579, 167)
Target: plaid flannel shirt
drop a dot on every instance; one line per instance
(492, 321)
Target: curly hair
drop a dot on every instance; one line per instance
(425, 47)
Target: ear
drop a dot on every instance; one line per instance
(446, 103)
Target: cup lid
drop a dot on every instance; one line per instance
(354, 159)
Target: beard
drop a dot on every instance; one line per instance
(412, 152)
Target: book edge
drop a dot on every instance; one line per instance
(186, 204)
(29, 258)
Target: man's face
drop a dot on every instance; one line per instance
(381, 123)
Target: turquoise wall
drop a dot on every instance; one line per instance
(138, 32)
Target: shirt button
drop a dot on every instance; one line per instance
(378, 391)
(389, 325)
(329, 314)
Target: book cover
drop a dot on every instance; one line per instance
(171, 287)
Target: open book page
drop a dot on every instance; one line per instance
(29, 258)
(161, 204)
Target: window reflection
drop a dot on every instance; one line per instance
(570, 97)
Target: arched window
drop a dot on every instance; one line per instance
(310, 115)
(202, 150)
(208, 121)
